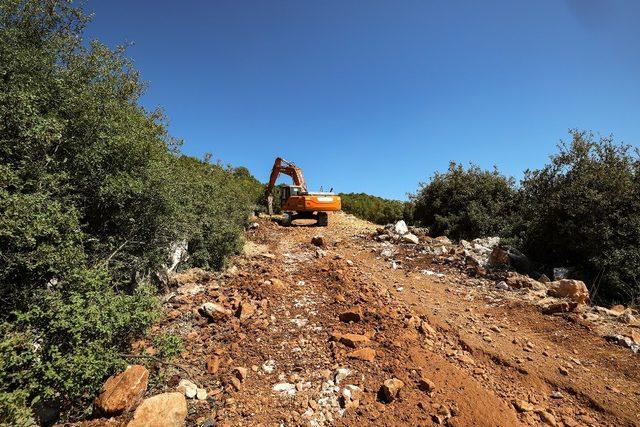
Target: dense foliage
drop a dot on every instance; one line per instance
(465, 203)
(93, 193)
(581, 211)
(375, 209)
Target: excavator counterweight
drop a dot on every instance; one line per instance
(296, 201)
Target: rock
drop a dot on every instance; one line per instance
(245, 310)
(547, 418)
(241, 373)
(411, 238)
(365, 353)
(214, 311)
(401, 228)
(269, 366)
(390, 389)
(427, 329)
(351, 315)
(442, 240)
(351, 395)
(353, 340)
(236, 383)
(523, 405)
(498, 258)
(623, 341)
(285, 388)
(544, 279)
(121, 392)
(628, 318)
(617, 309)
(201, 394)
(559, 307)
(441, 413)
(341, 374)
(503, 285)
(188, 388)
(426, 385)
(162, 410)
(575, 290)
(563, 370)
(213, 364)
(318, 240)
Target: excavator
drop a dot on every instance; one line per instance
(296, 201)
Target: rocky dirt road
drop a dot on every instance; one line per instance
(300, 334)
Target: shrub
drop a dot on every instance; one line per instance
(465, 203)
(583, 210)
(375, 209)
(93, 192)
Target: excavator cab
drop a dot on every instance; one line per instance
(296, 201)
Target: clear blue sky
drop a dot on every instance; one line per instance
(375, 96)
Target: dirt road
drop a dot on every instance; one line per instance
(318, 330)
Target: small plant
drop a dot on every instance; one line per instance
(168, 345)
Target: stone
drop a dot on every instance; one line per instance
(617, 309)
(390, 389)
(411, 238)
(341, 374)
(236, 383)
(213, 364)
(188, 388)
(353, 340)
(351, 315)
(214, 311)
(426, 385)
(499, 257)
(318, 241)
(523, 405)
(427, 329)
(201, 394)
(245, 310)
(162, 410)
(442, 240)
(575, 290)
(544, 279)
(121, 392)
(269, 366)
(285, 388)
(241, 373)
(547, 418)
(365, 353)
(401, 228)
(351, 395)
(441, 413)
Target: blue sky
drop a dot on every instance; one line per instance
(375, 96)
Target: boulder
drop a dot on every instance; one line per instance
(188, 388)
(245, 310)
(214, 311)
(365, 353)
(353, 340)
(162, 410)
(123, 391)
(575, 290)
(401, 228)
(411, 238)
(390, 389)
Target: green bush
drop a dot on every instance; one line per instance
(583, 211)
(375, 209)
(465, 203)
(93, 193)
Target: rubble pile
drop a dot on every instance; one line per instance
(492, 267)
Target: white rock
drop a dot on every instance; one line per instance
(285, 388)
(188, 388)
(411, 238)
(341, 373)
(201, 394)
(269, 366)
(503, 285)
(401, 227)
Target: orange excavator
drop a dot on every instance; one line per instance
(296, 201)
